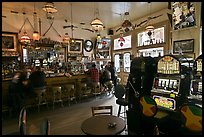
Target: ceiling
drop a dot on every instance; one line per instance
(84, 12)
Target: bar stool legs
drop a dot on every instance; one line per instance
(57, 95)
(41, 97)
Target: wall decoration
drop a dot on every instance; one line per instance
(104, 44)
(183, 15)
(9, 41)
(122, 43)
(88, 45)
(76, 47)
(183, 46)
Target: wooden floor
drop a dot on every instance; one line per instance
(65, 120)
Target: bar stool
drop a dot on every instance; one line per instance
(57, 95)
(119, 93)
(84, 91)
(70, 92)
(41, 96)
(96, 89)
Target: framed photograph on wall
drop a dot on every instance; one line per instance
(76, 47)
(183, 46)
(183, 15)
(9, 41)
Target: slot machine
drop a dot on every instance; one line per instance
(172, 82)
(195, 94)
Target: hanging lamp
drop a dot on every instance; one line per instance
(97, 24)
(66, 38)
(25, 39)
(150, 28)
(36, 35)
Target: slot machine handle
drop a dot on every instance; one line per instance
(142, 81)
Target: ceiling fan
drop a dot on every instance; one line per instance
(126, 25)
(143, 23)
(72, 27)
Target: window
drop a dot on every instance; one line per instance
(153, 52)
(157, 37)
(127, 62)
(25, 55)
(117, 62)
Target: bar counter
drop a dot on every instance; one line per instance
(54, 80)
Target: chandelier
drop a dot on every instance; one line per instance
(25, 39)
(66, 38)
(49, 7)
(149, 28)
(97, 24)
(36, 35)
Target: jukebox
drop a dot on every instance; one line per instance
(195, 94)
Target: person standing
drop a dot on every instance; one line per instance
(112, 70)
(17, 92)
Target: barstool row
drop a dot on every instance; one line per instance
(61, 94)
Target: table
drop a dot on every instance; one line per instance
(98, 125)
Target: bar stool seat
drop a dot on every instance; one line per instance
(119, 93)
(84, 91)
(96, 89)
(41, 96)
(57, 95)
(70, 92)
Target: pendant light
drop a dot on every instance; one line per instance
(36, 35)
(25, 39)
(97, 24)
(149, 28)
(72, 40)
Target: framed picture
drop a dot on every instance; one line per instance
(183, 46)
(9, 41)
(88, 45)
(183, 15)
(76, 47)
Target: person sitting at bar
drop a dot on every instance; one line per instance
(17, 92)
(37, 79)
(105, 77)
(93, 76)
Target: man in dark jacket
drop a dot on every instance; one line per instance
(17, 93)
(37, 79)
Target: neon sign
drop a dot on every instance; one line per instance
(163, 102)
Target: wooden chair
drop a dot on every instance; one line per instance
(27, 130)
(102, 110)
(22, 121)
(45, 127)
(57, 95)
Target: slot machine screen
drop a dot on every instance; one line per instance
(199, 65)
(196, 88)
(165, 103)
